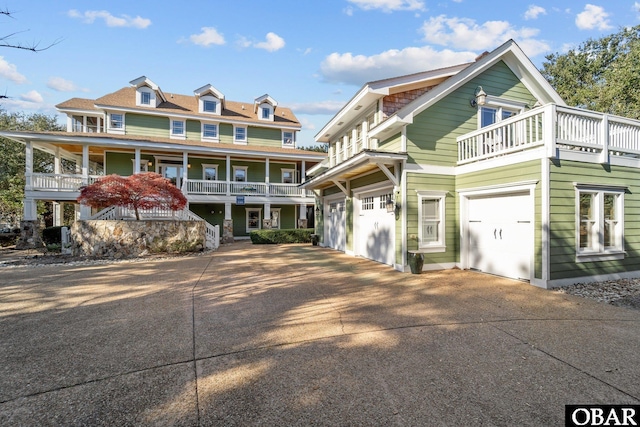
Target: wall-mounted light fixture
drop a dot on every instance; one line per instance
(317, 209)
(392, 206)
(188, 165)
(149, 163)
(479, 97)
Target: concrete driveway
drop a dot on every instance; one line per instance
(301, 335)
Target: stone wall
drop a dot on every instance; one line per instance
(126, 239)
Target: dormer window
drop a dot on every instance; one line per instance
(266, 113)
(145, 98)
(265, 107)
(209, 106)
(210, 100)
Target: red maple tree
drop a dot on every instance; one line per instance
(146, 190)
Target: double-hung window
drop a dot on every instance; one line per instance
(177, 129)
(209, 172)
(240, 173)
(240, 135)
(431, 221)
(287, 139)
(600, 223)
(116, 122)
(210, 131)
(209, 106)
(145, 98)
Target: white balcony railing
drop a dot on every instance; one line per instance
(206, 187)
(60, 182)
(556, 128)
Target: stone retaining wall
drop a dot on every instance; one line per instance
(126, 239)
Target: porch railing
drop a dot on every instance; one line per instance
(60, 182)
(206, 187)
(554, 127)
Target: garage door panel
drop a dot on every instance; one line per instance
(336, 225)
(376, 228)
(500, 237)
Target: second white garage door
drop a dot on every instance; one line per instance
(375, 228)
(500, 234)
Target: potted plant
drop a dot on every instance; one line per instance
(416, 258)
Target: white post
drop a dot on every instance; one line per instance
(28, 167)
(57, 214)
(227, 210)
(303, 211)
(604, 137)
(85, 165)
(266, 174)
(136, 162)
(228, 178)
(549, 129)
(185, 168)
(29, 212)
(57, 163)
(303, 172)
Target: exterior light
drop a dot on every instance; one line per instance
(480, 97)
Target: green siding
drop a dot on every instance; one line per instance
(418, 181)
(562, 227)
(393, 144)
(519, 172)
(196, 167)
(143, 125)
(275, 171)
(255, 170)
(431, 139)
(213, 213)
(264, 136)
(194, 130)
(225, 132)
(122, 163)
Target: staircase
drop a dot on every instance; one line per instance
(212, 232)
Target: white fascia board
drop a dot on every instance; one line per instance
(364, 97)
(144, 80)
(79, 110)
(393, 123)
(209, 89)
(213, 118)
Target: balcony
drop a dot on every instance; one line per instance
(560, 130)
(72, 182)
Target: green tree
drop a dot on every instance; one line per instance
(600, 74)
(12, 161)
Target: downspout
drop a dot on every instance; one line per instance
(403, 192)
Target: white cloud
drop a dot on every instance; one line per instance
(32, 96)
(465, 33)
(10, 72)
(317, 108)
(534, 11)
(389, 5)
(593, 17)
(207, 37)
(90, 16)
(62, 85)
(272, 43)
(359, 69)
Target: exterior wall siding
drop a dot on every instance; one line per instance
(518, 172)
(420, 181)
(213, 213)
(264, 137)
(392, 144)
(563, 175)
(431, 139)
(143, 125)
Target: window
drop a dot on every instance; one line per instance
(367, 203)
(266, 113)
(253, 219)
(431, 208)
(240, 134)
(209, 131)
(287, 138)
(145, 98)
(384, 198)
(209, 172)
(209, 106)
(288, 176)
(117, 121)
(491, 115)
(600, 223)
(240, 173)
(177, 128)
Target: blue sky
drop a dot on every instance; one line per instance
(309, 56)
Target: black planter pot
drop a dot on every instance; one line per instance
(416, 261)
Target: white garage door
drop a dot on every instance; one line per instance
(335, 232)
(375, 228)
(501, 234)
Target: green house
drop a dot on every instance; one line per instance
(481, 166)
(236, 162)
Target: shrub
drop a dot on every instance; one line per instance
(52, 235)
(273, 236)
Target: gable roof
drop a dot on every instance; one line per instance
(509, 52)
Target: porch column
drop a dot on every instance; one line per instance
(266, 219)
(227, 224)
(136, 161)
(85, 212)
(302, 217)
(57, 163)
(185, 169)
(228, 173)
(29, 211)
(28, 166)
(266, 174)
(85, 164)
(58, 216)
(303, 172)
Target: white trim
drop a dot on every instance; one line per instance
(600, 252)
(545, 172)
(205, 166)
(246, 222)
(516, 187)
(240, 167)
(118, 130)
(292, 144)
(209, 138)
(431, 267)
(293, 175)
(441, 197)
(182, 135)
(246, 135)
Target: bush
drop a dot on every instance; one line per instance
(8, 239)
(297, 235)
(52, 235)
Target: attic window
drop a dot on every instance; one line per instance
(209, 106)
(145, 98)
(265, 111)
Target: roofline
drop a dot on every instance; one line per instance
(22, 137)
(380, 88)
